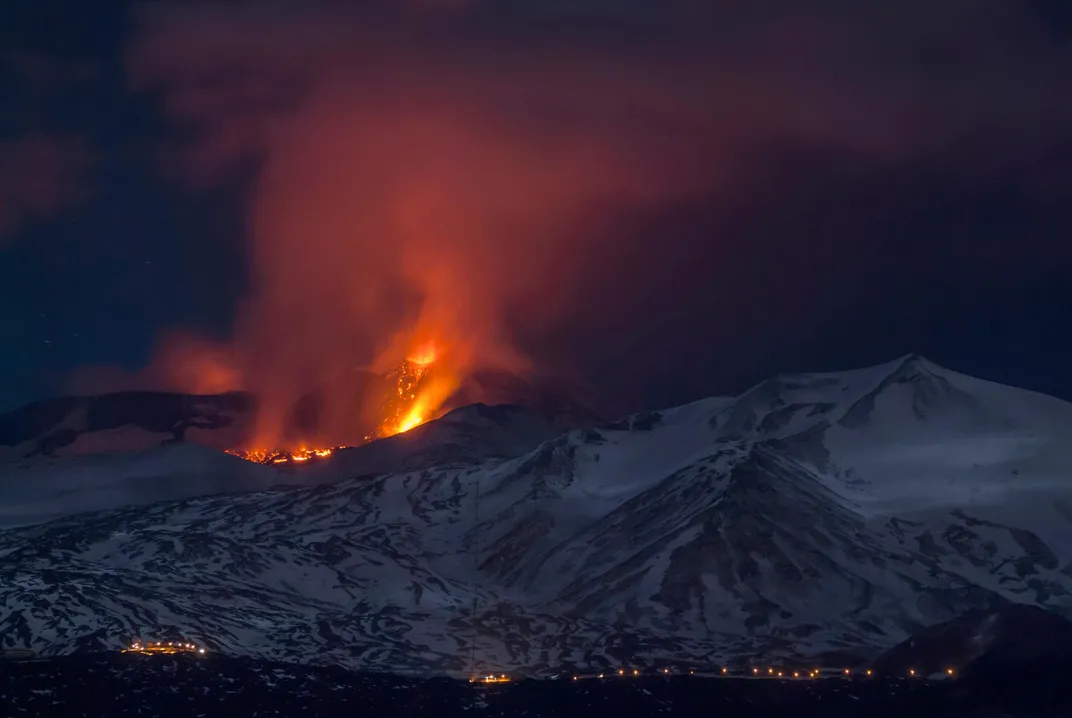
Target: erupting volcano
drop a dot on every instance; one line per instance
(282, 456)
(412, 399)
(416, 389)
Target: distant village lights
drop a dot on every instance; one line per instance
(149, 648)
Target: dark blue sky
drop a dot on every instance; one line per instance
(811, 256)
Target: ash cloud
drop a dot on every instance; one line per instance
(502, 178)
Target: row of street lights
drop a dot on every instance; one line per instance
(769, 673)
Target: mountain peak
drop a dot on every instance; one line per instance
(917, 362)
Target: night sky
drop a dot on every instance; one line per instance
(668, 199)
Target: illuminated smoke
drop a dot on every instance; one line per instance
(403, 201)
(454, 174)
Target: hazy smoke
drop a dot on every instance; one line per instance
(454, 173)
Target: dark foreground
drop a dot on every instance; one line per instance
(181, 686)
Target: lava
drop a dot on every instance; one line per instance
(283, 456)
(411, 403)
(424, 356)
(417, 392)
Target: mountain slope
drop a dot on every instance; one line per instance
(342, 412)
(1025, 639)
(812, 514)
(48, 487)
(123, 421)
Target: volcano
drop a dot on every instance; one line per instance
(813, 516)
(373, 406)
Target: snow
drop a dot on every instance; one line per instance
(977, 453)
(812, 513)
(42, 491)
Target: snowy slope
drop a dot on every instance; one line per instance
(812, 514)
(32, 492)
(123, 421)
(470, 434)
(139, 420)
(47, 487)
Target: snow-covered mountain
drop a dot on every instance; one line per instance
(140, 420)
(49, 487)
(122, 421)
(45, 487)
(813, 514)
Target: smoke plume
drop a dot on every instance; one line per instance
(456, 174)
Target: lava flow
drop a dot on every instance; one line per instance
(415, 395)
(282, 456)
(411, 403)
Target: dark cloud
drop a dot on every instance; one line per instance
(567, 181)
(40, 176)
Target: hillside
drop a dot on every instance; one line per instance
(814, 515)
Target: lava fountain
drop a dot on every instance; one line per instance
(422, 384)
(419, 387)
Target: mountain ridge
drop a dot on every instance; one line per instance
(725, 529)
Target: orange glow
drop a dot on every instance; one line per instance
(282, 456)
(424, 381)
(158, 647)
(412, 420)
(424, 355)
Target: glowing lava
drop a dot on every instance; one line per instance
(419, 387)
(425, 355)
(409, 407)
(281, 456)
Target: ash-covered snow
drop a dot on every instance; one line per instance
(813, 515)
